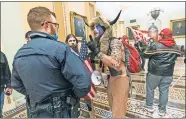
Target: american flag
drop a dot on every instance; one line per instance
(84, 56)
(140, 35)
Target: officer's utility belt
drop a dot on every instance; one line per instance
(55, 104)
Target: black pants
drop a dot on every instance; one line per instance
(55, 107)
(64, 114)
(88, 103)
(143, 60)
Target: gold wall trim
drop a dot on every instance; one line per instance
(72, 15)
(171, 27)
(58, 9)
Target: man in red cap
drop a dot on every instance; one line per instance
(160, 71)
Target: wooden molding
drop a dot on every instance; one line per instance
(58, 9)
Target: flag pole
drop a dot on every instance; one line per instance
(92, 105)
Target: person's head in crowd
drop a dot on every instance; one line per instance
(165, 33)
(153, 32)
(165, 37)
(72, 41)
(43, 20)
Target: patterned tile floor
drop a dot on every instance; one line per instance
(175, 107)
(134, 110)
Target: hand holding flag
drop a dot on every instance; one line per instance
(87, 63)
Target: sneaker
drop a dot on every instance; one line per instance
(162, 113)
(156, 114)
(166, 116)
(148, 108)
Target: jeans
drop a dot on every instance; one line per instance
(1, 101)
(163, 83)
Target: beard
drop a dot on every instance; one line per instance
(75, 48)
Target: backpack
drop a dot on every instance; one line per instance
(134, 65)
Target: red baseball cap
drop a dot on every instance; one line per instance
(166, 32)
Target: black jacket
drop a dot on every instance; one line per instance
(161, 64)
(44, 66)
(5, 72)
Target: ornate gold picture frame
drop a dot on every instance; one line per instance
(178, 28)
(129, 32)
(78, 27)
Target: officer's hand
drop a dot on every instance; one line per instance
(82, 99)
(8, 91)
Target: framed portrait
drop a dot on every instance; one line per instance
(129, 32)
(78, 27)
(178, 28)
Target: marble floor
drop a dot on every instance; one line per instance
(175, 107)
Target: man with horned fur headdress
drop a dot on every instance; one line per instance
(110, 51)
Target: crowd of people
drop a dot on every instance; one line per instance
(53, 78)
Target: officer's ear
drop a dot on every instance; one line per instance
(45, 25)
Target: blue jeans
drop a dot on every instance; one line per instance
(163, 83)
(1, 101)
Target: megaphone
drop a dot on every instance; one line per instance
(98, 77)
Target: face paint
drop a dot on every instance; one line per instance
(100, 30)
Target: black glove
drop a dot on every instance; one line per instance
(92, 60)
(92, 45)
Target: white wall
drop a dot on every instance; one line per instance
(12, 32)
(139, 11)
(172, 10)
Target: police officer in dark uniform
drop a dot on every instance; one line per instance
(48, 72)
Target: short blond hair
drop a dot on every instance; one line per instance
(37, 15)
